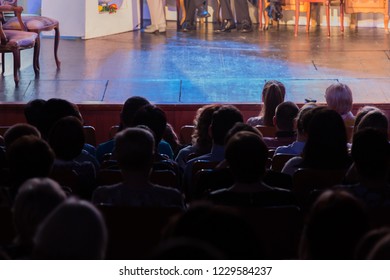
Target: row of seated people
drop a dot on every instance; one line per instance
(67, 150)
(50, 226)
(237, 146)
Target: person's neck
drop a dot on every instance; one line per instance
(135, 178)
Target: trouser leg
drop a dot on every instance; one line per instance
(242, 10)
(226, 11)
(156, 9)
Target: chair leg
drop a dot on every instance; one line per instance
(327, 3)
(36, 57)
(37, 49)
(16, 54)
(266, 20)
(296, 17)
(2, 63)
(342, 15)
(308, 16)
(386, 23)
(260, 14)
(56, 43)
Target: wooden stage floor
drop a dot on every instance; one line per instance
(204, 67)
(180, 71)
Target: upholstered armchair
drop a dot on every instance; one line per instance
(35, 24)
(13, 41)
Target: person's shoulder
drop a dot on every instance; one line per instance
(253, 121)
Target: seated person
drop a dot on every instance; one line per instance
(222, 121)
(135, 148)
(371, 157)
(129, 109)
(285, 115)
(246, 155)
(201, 139)
(339, 98)
(302, 124)
(326, 145)
(272, 95)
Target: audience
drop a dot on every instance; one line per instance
(201, 139)
(28, 157)
(18, 130)
(50, 227)
(246, 155)
(222, 121)
(272, 95)
(36, 199)
(127, 115)
(221, 229)
(75, 230)
(302, 125)
(283, 121)
(336, 223)
(67, 140)
(371, 159)
(338, 97)
(326, 146)
(135, 149)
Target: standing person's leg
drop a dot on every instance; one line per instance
(242, 15)
(226, 11)
(156, 9)
(227, 17)
(189, 23)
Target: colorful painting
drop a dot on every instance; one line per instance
(109, 6)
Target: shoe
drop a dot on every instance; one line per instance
(161, 28)
(226, 26)
(188, 27)
(246, 26)
(149, 26)
(202, 12)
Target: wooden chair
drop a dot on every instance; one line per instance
(266, 131)
(13, 41)
(134, 233)
(279, 160)
(35, 24)
(327, 8)
(90, 135)
(185, 134)
(362, 6)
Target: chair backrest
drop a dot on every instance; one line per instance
(90, 135)
(134, 233)
(202, 164)
(7, 229)
(308, 179)
(166, 178)
(208, 180)
(279, 160)
(113, 130)
(277, 228)
(3, 129)
(266, 131)
(185, 134)
(108, 177)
